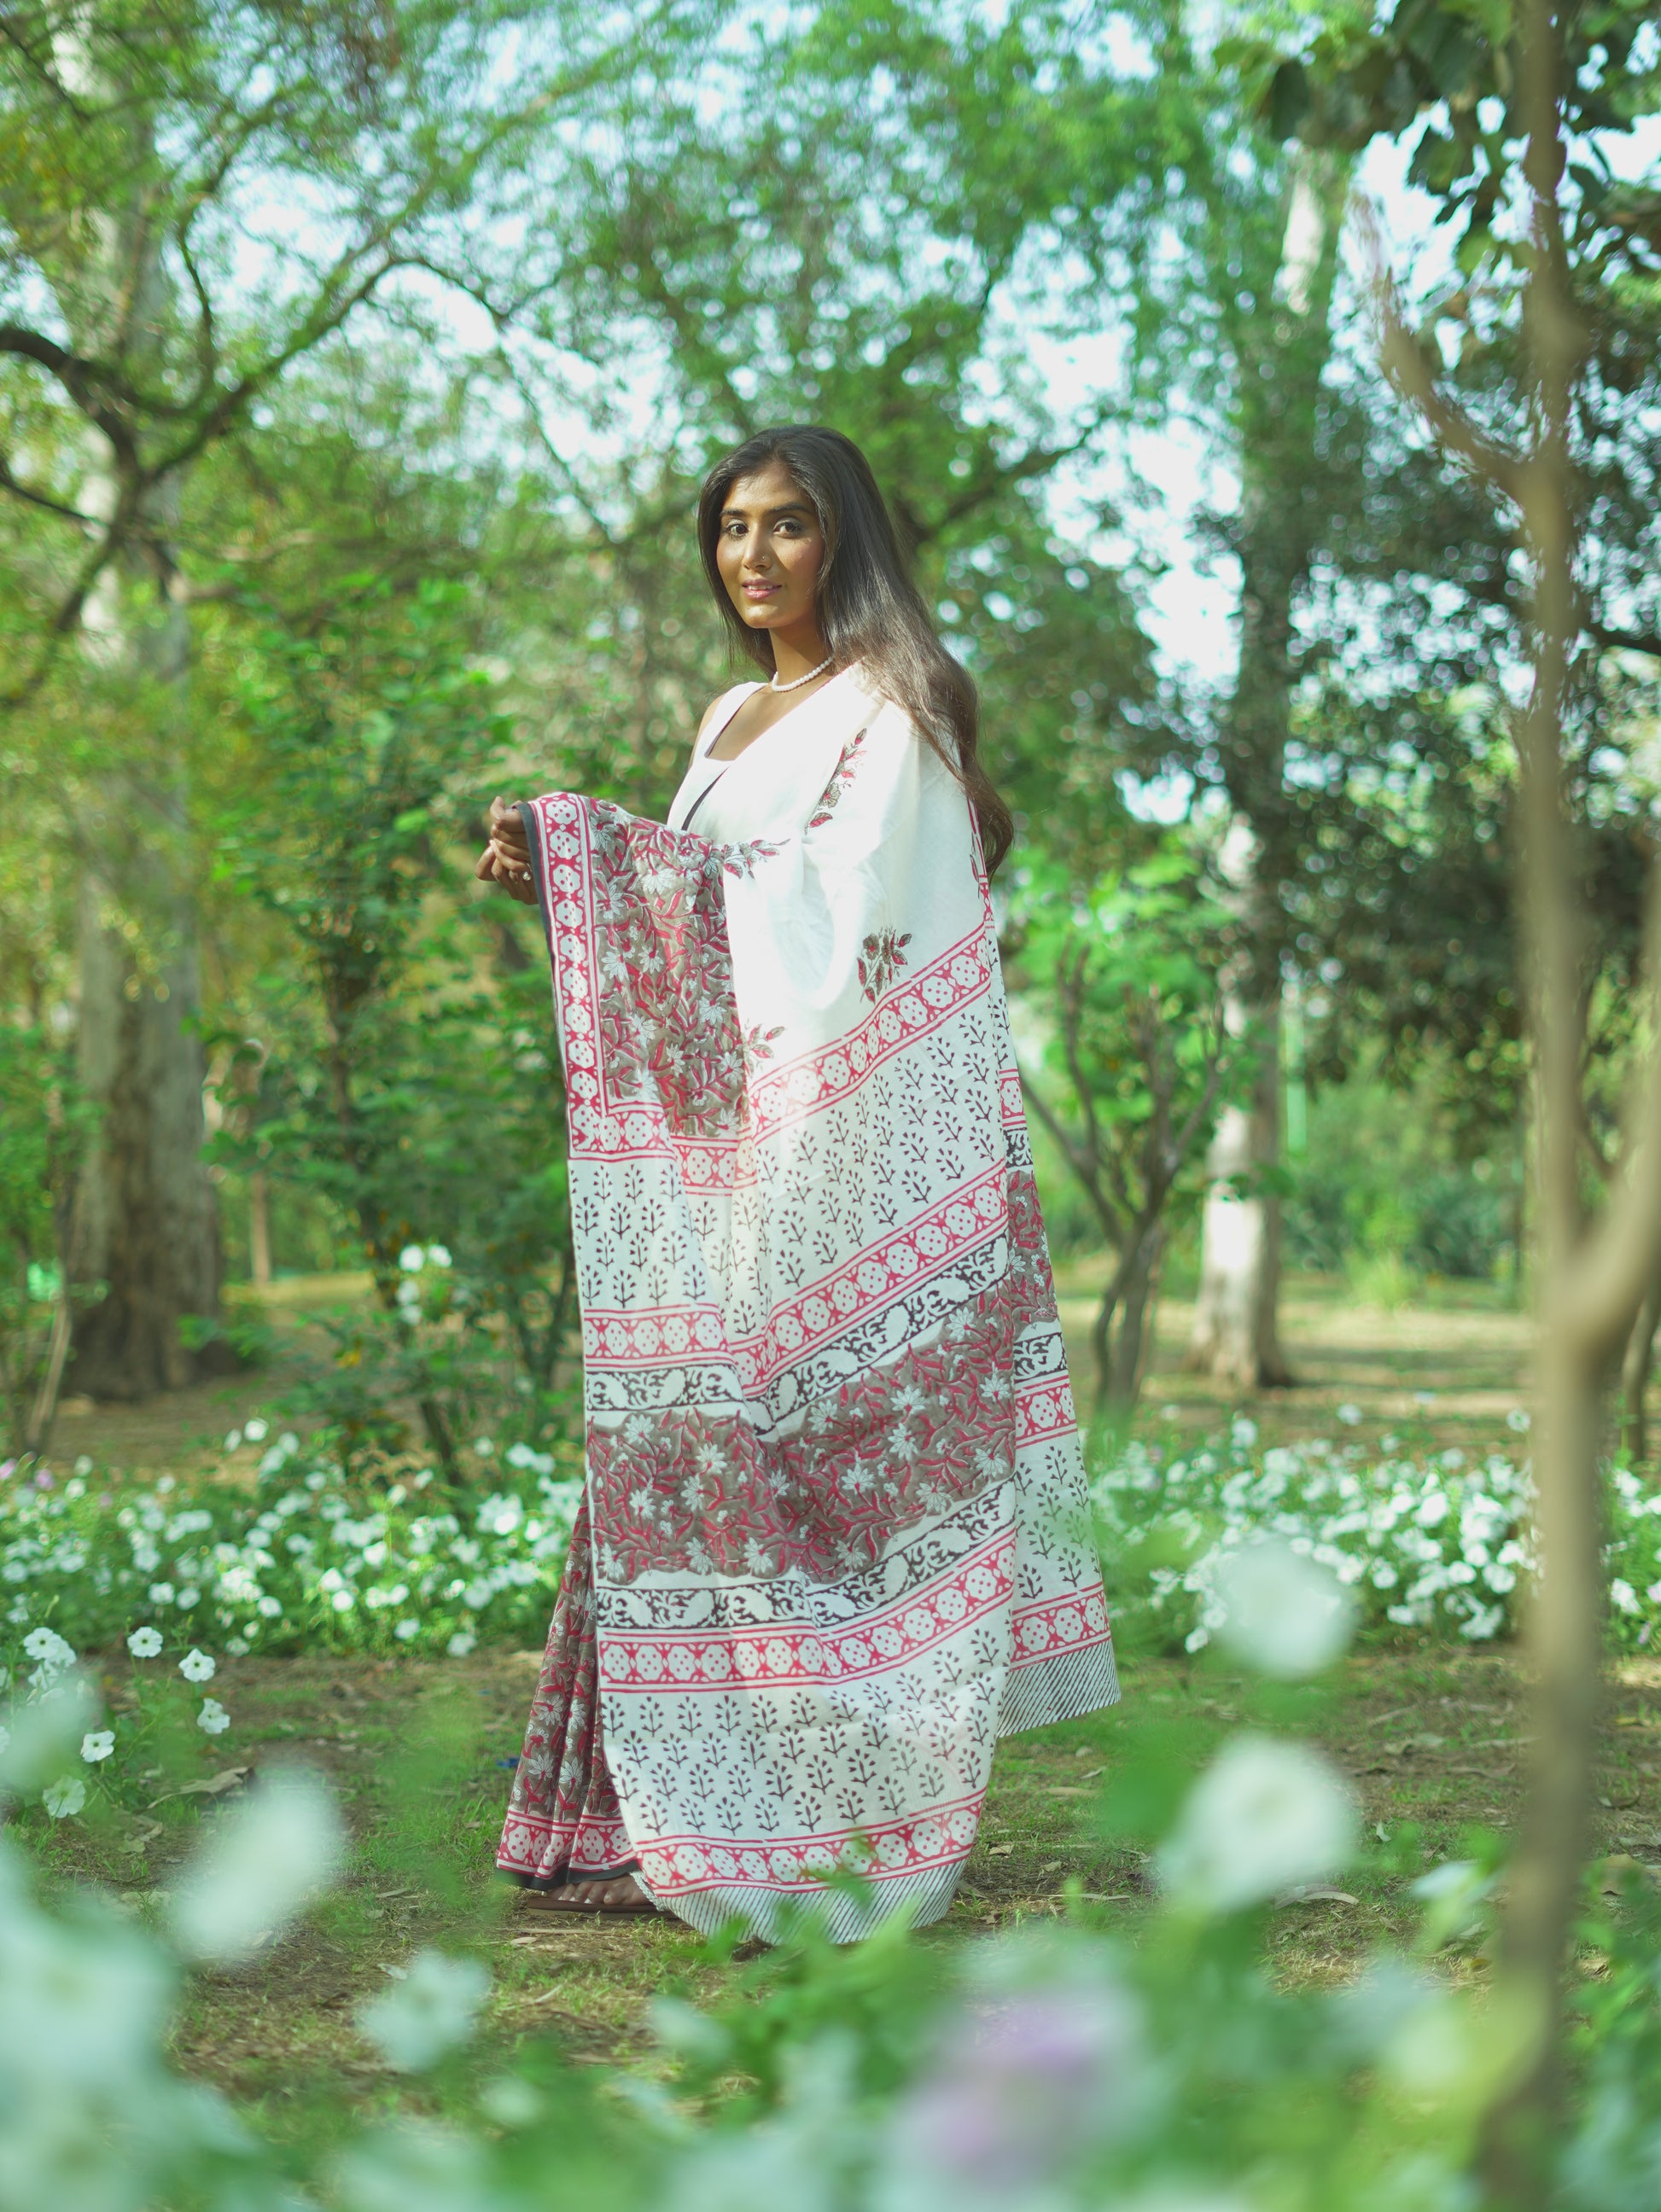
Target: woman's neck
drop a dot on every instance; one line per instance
(797, 651)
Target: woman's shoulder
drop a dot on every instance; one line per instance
(728, 699)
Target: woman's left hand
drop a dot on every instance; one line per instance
(506, 860)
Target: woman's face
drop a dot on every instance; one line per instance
(771, 549)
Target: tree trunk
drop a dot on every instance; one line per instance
(1282, 349)
(259, 1229)
(1119, 1383)
(1236, 1319)
(149, 1223)
(1636, 1364)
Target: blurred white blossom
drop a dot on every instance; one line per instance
(213, 1719)
(1282, 1613)
(432, 2009)
(267, 1854)
(1263, 1817)
(64, 1798)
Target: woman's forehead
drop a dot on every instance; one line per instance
(764, 490)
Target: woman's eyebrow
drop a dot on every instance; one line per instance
(768, 513)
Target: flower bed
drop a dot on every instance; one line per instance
(306, 1560)
(1430, 1544)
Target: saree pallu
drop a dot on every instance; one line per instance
(837, 1537)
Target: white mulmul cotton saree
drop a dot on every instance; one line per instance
(836, 1538)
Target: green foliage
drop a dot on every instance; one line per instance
(403, 1061)
(1388, 1177)
(1122, 985)
(45, 1128)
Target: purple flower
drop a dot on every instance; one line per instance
(1017, 2092)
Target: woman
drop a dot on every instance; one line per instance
(835, 1539)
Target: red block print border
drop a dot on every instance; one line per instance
(1060, 1624)
(819, 1077)
(1009, 1096)
(618, 1341)
(1042, 1410)
(674, 1865)
(529, 1841)
(890, 1639)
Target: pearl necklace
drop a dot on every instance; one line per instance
(777, 686)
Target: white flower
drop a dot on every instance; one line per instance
(409, 1259)
(255, 1431)
(47, 1646)
(266, 1854)
(1349, 1415)
(438, 1256)
(460, 1644)
(1263, 1816)
(198, 1666)
(406, 1629)
(1623, 1597)
(144, 1642)
(1285, 1615)
(160, 1593)
(1519, 1421)
(430, 2010)
(64, 1799)
(96, 1744)
(234, 1440)
(213, 1719)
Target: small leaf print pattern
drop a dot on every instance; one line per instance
(758, 1044)
(881, 958)
(840, 777)
(741, 860)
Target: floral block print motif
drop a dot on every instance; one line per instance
(882, 955)
(837, 1516)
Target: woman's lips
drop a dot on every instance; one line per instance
(760, 591)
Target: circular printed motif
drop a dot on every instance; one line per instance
(919, 1623)
(816, 1314)
(951, 1605)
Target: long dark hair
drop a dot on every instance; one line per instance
(868, 609)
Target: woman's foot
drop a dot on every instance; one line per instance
(615, 1893)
